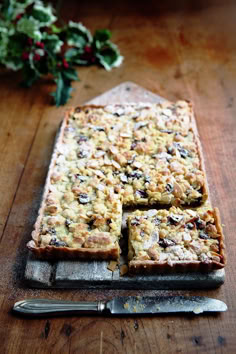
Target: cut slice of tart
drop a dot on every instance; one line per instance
(78, 223)
(175, 240)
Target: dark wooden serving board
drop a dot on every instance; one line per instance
(95, 274)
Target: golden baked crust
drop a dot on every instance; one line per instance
(109, 156)
(175, 240)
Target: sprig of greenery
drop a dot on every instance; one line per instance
(31, 42)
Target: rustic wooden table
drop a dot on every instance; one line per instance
(184, 50)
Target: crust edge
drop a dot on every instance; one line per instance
(56, 253)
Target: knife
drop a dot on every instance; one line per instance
(127, 305)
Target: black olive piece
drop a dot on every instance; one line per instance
(82, 154)
(156, 221)
(90, 225)
(174, 219)
(77, 110)
(87, 111)
(67, 222)
(190, 226)
(133, 145)
(84, 198)
(169, 187)
(55, 242)
(183, 153)
(203, 235)
(141, 193)
(135, 222)
(99, 129)
(140, 125)
(123, 178)
(52, 231)
(147, 179)
(198, 200)
(82, 138)
(136, 174)
(129, 162)
(81, 178)
(165, 242)
(170, 150)
(177, 146)
(200, 224)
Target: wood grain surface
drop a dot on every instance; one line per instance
(182, 49)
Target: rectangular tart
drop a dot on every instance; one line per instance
(178, 240)
(109, 156)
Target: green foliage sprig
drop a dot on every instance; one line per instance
(31, 42)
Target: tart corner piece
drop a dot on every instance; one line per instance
(175, 240)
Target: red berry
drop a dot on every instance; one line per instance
(18, 17)
(58, 65)
(93, 59)
(88, 49)
(40, 44)
(29, 41)
(37, 57)
(65, 64)
(25, 56)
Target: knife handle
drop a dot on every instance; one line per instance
(43, 307)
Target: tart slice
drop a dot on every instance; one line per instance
(82, 225)
(175, 240)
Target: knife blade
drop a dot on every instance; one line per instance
(127, 305)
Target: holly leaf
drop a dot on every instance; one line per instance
(73, 55)
(109, 56)
(30, 27)
(52, 42)
(102, 35)
(63, 90)
(13, 63)
(70, 74)
(78, 35)
(43, 14)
